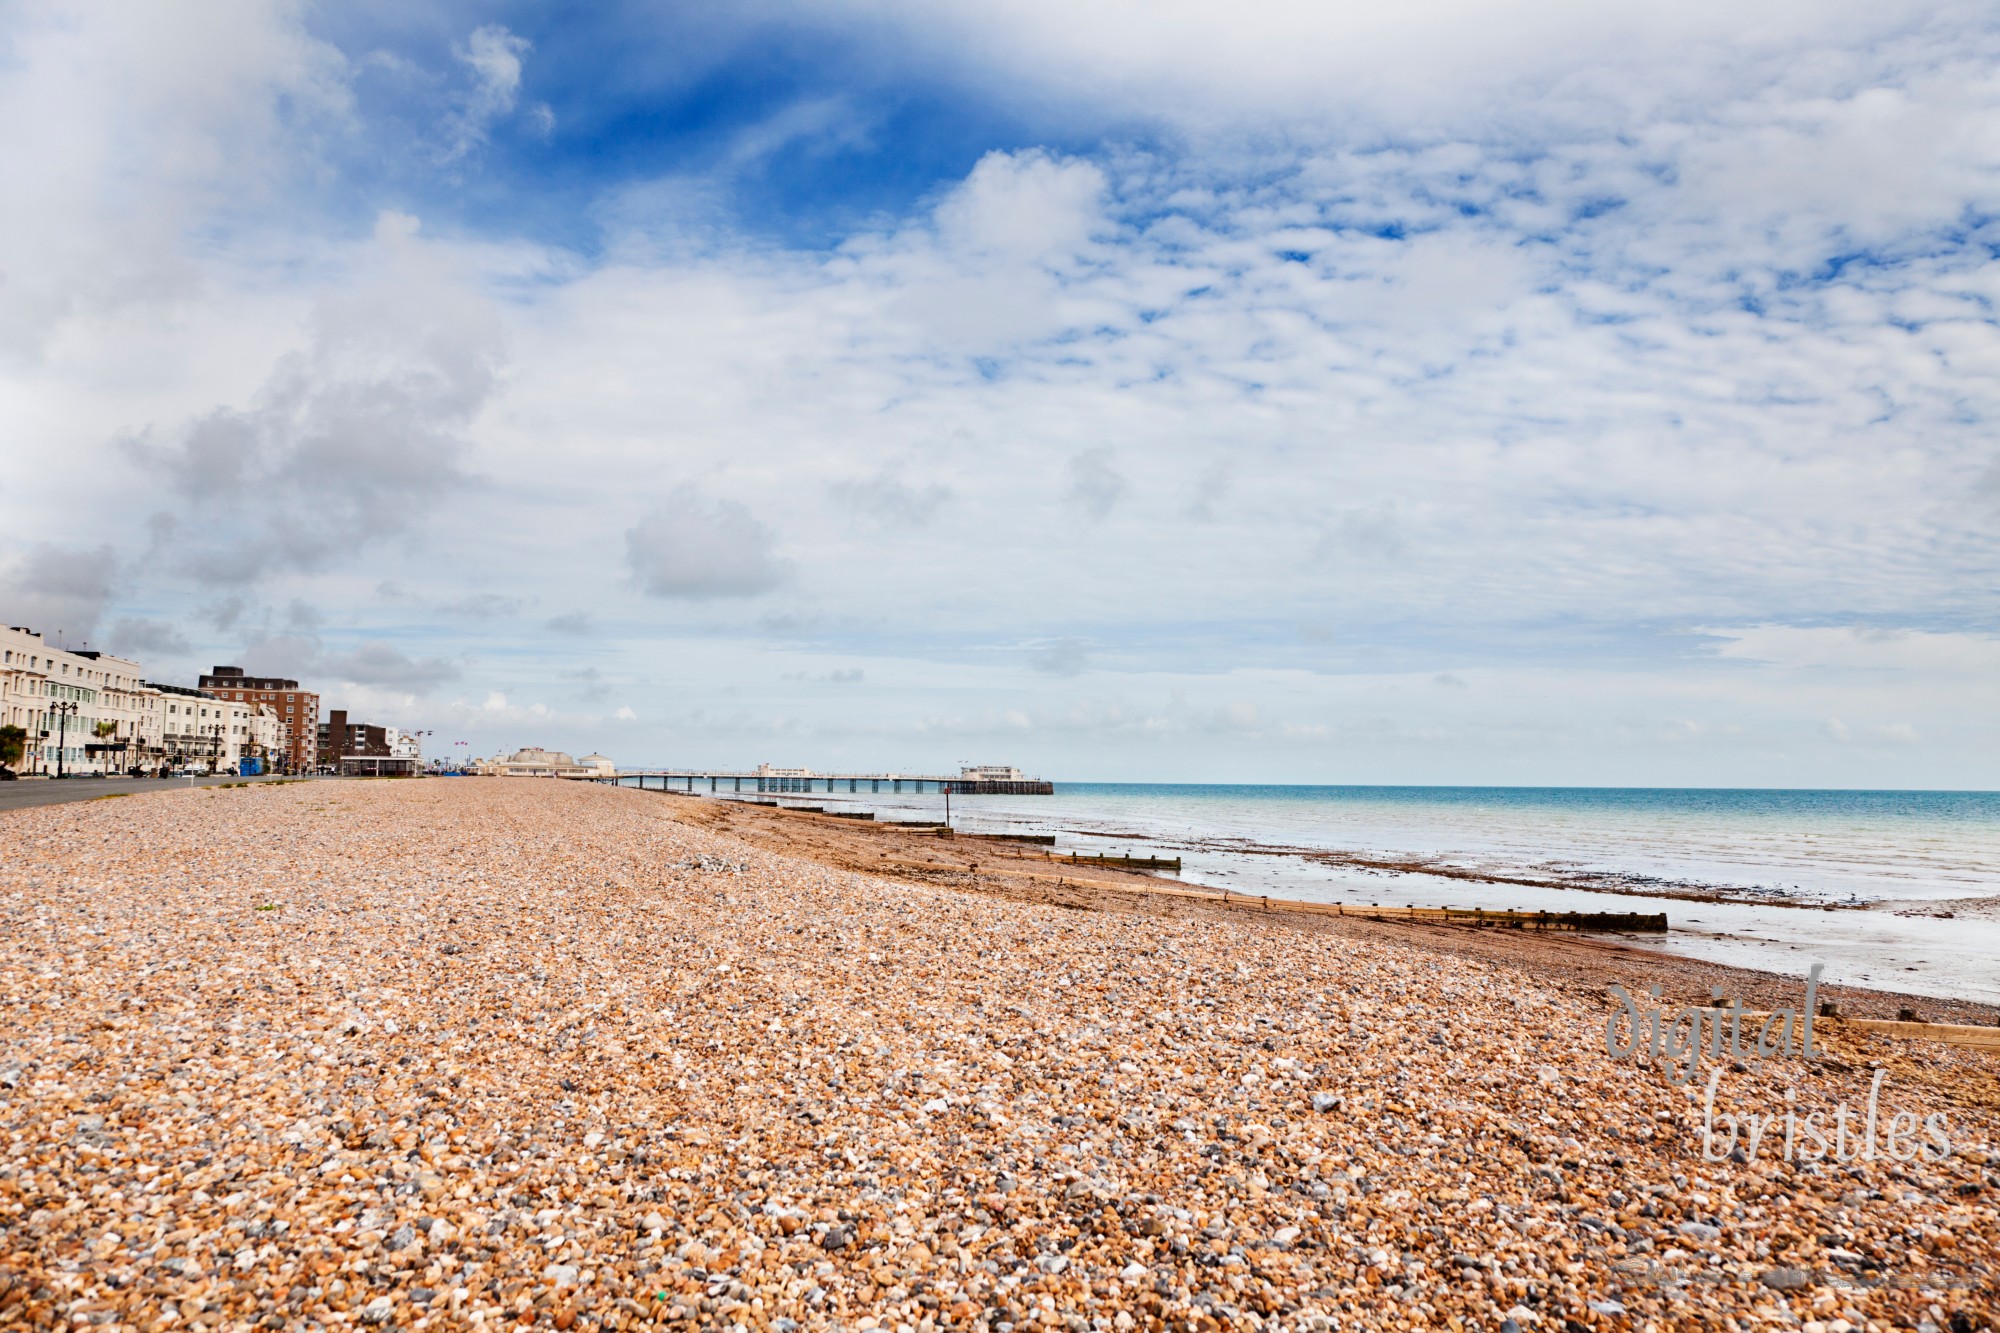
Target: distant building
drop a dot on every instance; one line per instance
(360, 750)
(201, 732)
(535, 762)
(997, 780)
(773, 771)
(297, 710)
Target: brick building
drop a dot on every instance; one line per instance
(297, 710)
(357, 749)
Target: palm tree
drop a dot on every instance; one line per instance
(104, 731)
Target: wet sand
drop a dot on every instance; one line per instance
(1020, 872)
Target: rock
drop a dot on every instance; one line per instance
(788, 1095)
(376, 1311)
(1785, 1279)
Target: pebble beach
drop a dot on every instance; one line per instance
(484, 1053)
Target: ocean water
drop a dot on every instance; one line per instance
(1889, 889)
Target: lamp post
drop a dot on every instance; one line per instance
(64, 712)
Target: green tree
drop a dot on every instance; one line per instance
(13, 745)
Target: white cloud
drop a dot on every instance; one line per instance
(692, 547)
(62, 589)
(1852, 648)
(350, 439)
(493, 55)
(1495, 342)
(124, 131)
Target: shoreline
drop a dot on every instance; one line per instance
(1018, 873)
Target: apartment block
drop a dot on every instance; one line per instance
(296, 710)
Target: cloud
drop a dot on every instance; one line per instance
(297, 654)
(139, 638)
(52, 588)
(1476, 340)
(482, 606)
(692, 547)
(1094, 485)
(1024, 207)
(594, 688)
(839, 676)
(1061, 657)
(224, 612)
(131, 132)
(349, 441)
(888, 497)
(1210, 488)
(384, 666)
(493, 55)
(1858, 648)
(297, 651)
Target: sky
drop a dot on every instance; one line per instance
(1455, 391)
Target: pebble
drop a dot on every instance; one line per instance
(505, 1052)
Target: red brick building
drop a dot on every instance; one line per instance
(297, 710)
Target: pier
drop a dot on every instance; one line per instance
(805, 784)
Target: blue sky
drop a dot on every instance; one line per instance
(1473, 392)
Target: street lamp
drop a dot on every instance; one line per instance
(64, 712)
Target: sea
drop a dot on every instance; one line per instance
(1893, 890)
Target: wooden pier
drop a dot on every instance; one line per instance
(853, 784)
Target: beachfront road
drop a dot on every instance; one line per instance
(492, 1052)
(28, 793)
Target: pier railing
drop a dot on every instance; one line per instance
(853, 784)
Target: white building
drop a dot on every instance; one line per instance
(203, 734)
(269, 740)
(991, 773)
(83, 711)
(535, 762)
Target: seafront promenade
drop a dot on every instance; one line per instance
(488, 1053)
(31, 792)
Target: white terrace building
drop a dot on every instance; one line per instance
(83, 711)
